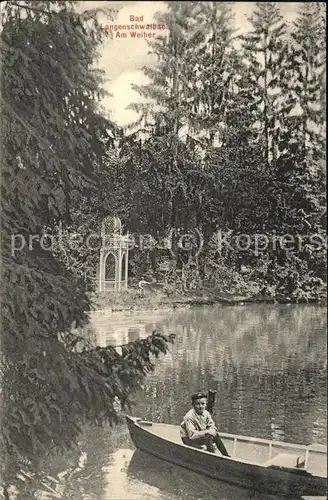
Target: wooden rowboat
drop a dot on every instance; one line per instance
(271, 467)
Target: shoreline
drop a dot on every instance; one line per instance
(128, 300)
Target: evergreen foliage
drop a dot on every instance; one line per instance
(56, 147)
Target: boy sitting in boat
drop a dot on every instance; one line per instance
(198, 428)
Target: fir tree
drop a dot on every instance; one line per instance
(265, 79)
(308, 79)
(214, 62)
(298, 202)
(164, 116)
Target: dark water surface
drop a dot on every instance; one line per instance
(268, 364)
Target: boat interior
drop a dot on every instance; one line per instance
(312, 458)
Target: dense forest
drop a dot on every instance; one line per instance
(229, 145)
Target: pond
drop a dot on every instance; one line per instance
(268, 364)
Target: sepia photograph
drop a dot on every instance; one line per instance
(163, 250)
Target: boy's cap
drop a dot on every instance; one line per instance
(198, 395)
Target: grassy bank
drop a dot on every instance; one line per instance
(128, 300)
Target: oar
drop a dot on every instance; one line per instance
(211, 401)
(210, 407)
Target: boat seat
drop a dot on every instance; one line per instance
(286, 460)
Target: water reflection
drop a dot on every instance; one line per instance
(268, 364)
(178, 483)
(121, 328)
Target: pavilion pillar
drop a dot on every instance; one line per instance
(126, 257)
